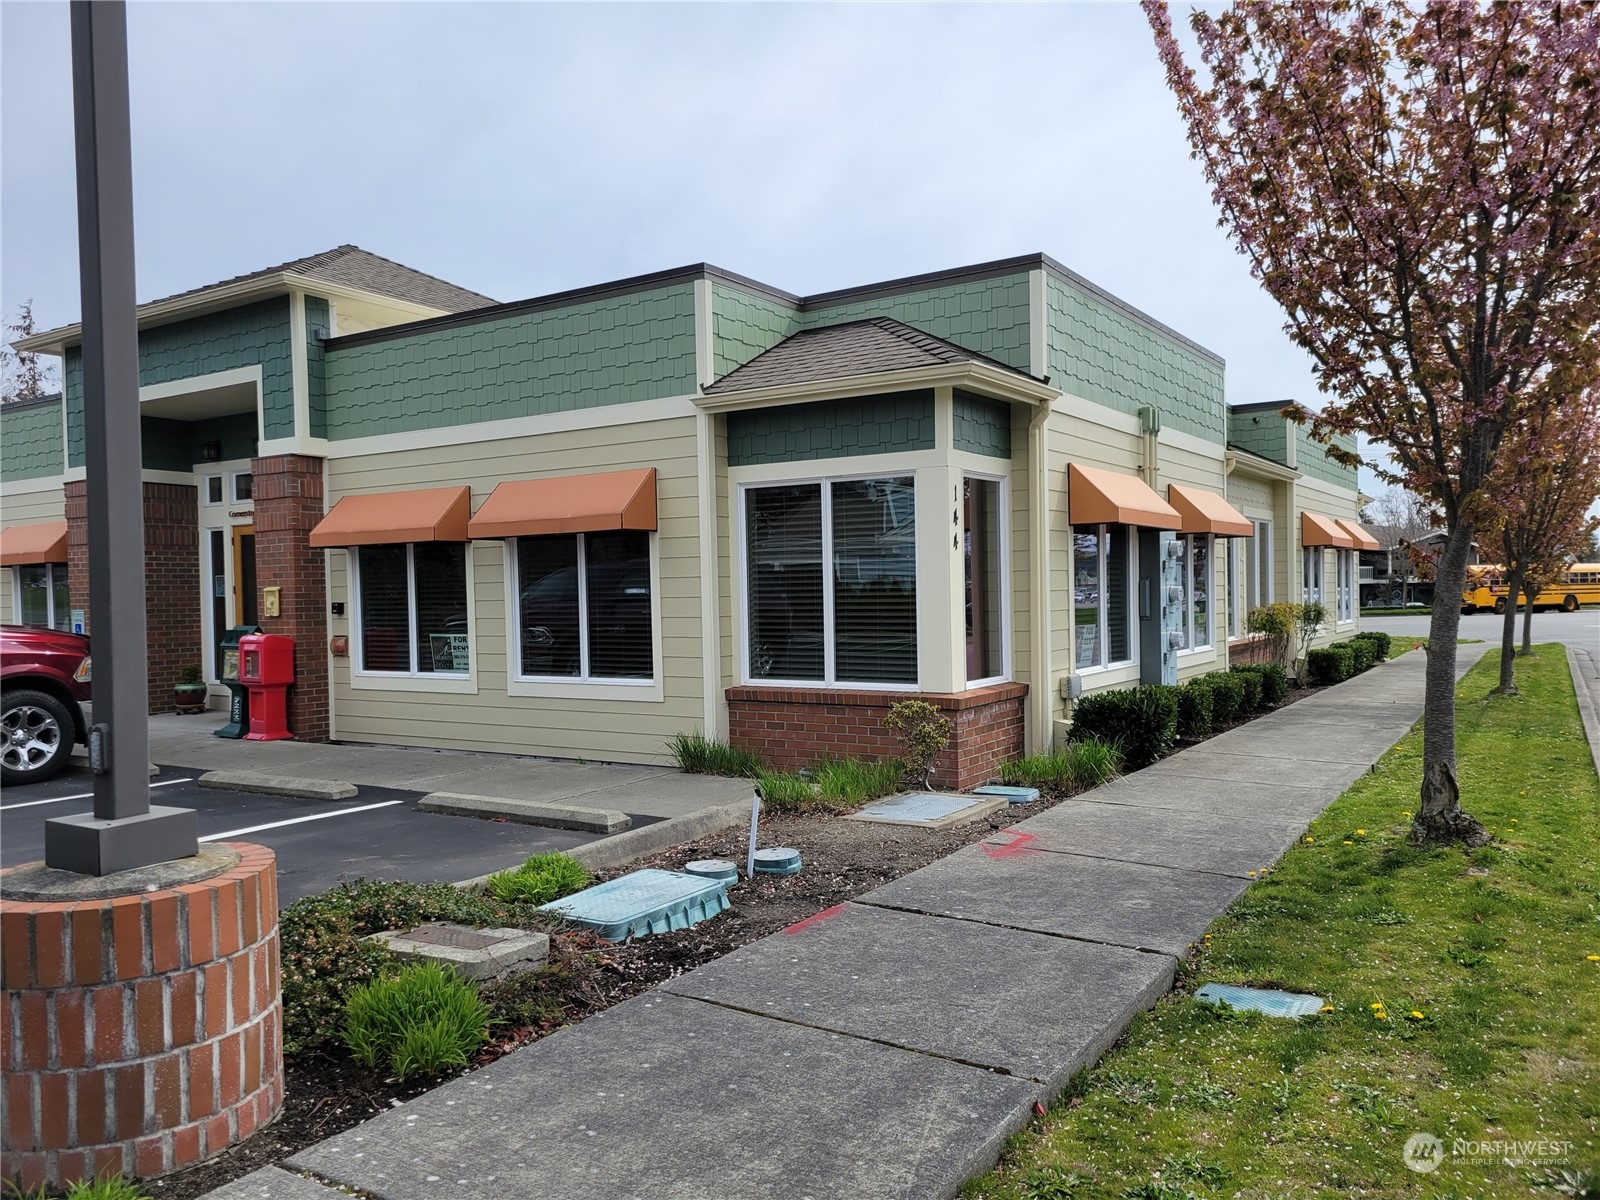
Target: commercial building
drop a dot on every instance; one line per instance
(578, 524)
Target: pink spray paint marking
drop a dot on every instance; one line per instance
(1018, 845)
(802, 926)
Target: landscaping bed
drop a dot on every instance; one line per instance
(328, 1092)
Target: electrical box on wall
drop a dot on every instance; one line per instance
(271, 601)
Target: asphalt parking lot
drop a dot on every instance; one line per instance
(378, 834)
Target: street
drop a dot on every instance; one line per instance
(1580, 629)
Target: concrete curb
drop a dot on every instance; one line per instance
(635, 843)
(526, 812)
(278, 785)
(1586, 693)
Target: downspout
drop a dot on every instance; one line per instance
(1040, 698)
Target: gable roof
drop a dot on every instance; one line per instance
(872, 346)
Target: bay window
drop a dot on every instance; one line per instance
(1195, 625)
(856, 620)
(411, 608)
(584, 606)
(1101, 567)
(43, 599)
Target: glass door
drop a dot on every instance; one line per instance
(244, 575)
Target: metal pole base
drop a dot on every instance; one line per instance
(90, 846)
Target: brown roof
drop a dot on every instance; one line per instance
(351, 266)
(869, 347)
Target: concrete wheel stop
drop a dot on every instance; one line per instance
(929, 810)
(473, 953)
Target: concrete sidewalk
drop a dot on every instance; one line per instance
(648, 791)
(886, 1047)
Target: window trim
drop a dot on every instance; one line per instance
(1236, 585)
(1003, 559)
(567, 687)
(407, 681)
(742, 581)
(233, 496)
(49, 592)
(1344, 572)
(205, 490)
(1192, 647)
(1103, 558)
(1310, 555)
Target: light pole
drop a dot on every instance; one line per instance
(125, 830)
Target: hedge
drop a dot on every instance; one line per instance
(1333, 664)
(1141, 721)
(1194, 709)
(1227, 696)
(1250, 676)
(1382, 641)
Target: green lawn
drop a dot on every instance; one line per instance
(1465, 993)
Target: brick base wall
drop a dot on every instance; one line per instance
(171, 995)
(171, 578)
(288, 494)
(794, 727)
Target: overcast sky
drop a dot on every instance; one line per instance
(523, 149)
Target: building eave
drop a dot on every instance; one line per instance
(993, 381)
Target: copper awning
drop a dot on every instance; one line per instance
(569, 504)
(383, 518)
(1363, 539)
(1100, 497)
(24, 545)
(1207, 512)
(1318, 531)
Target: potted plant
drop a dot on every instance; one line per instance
(189, 693)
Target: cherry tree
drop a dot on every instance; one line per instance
(1418, 186)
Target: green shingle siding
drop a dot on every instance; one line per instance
(1104, 355)
(617, 350)
(169, 445)
(248, 336)
(1311, 457)
(886, 424)
(316, 373)
(30, 441)
(744, 325)
(1263, 434)
(982, 426)
(989, 316)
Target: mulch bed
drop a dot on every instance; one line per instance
(325, 1095)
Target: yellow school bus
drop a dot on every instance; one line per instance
(1486, 589)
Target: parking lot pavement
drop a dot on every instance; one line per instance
(378, 834)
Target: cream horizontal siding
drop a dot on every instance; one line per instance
(26, 508)
(1190, 468)
(621, 730)
(1328, 500)
(1254, 497)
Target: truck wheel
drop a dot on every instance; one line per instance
(1500, 605)
(1569, 604)
(35, 736)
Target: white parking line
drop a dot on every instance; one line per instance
(213, 837)
(85, 795)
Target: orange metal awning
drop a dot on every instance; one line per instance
(23, 545)
(1096, 496)
(429, 515)
(569, 504)
(1363, 539)
(1323, 531)
(1207, 512)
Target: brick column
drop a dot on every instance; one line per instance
(288, 495)
(171, 578)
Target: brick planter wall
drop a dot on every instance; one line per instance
(140, 1034)
(793, 727)
(171, 575)
(288, 495)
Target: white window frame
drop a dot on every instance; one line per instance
(1003, 562)
(1344, 566)
(233, 496)
(49, 595)
(1237, 572)
(1103, 559)
(742, 582)
(1311, 582)
(205, 491)
(1192, 644)
(421, 681)
(1260, 567)
(573, 687)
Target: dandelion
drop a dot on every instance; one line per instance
(1309, 839)
(1416, 1016)
(1404, 813)
(1593, 958)
(1327, 1008)
(1348, 842)
(1380, 1016)
(1252, 874)
(1377, 1005)
(1361, 833)
(1513, 819)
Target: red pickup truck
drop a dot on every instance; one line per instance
(44, 680)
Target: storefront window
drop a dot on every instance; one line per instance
(984, 579)
(412, 608)
(1101, 634)
(1346, 567)
(862, 626)
(584, 606)
(1313, 574)
(43, 599)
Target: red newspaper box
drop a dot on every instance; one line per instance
(266, 668)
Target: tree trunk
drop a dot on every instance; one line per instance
(1527, 619)
(1439, 817)
(1508, 636)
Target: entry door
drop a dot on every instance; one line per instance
(244, 575)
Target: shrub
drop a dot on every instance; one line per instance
(1275, 624)
(325, 959)
(1194, 709)
(1333, 664)
(1274, 684)
(844, 782)
(697, 754)
(1363, 654)
(543, 878)
(1253, 687)
(1381, 642)
(923, 731)
(1227, 696)
(1076, 767)
(782, 792)
(1141, 722)
(423, 1020)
